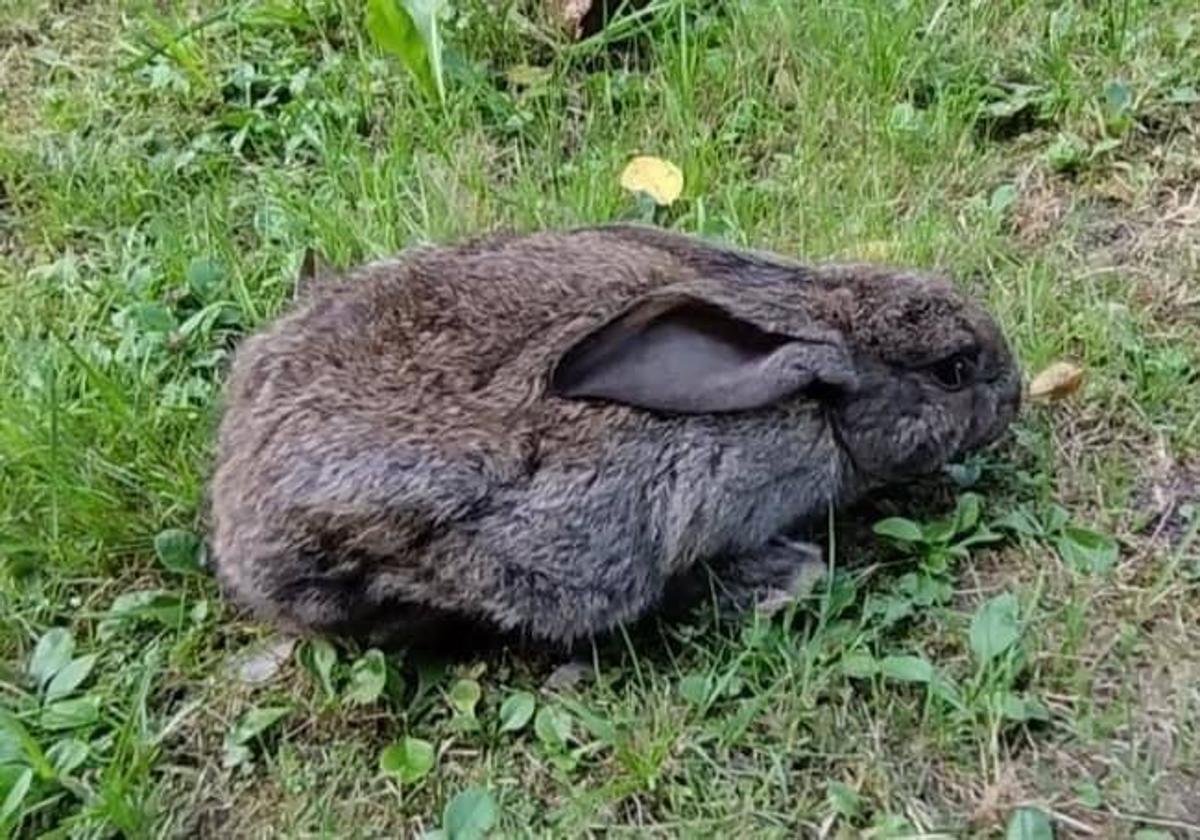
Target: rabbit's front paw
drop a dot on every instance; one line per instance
(806, 569)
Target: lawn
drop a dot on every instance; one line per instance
(1020, 654)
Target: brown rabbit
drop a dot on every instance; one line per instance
(538, 434)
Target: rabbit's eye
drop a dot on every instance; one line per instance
(955, 372)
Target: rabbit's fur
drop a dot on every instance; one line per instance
(544, 434)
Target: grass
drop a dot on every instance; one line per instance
(163, 167)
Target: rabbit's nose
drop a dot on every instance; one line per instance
(1015, 396)
(1007, 407)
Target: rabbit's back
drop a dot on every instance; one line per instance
(477, 321)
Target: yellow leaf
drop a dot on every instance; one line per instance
(1055, 382)
(526, 75)
(660, 179)
(877, 250)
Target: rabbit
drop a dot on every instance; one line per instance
(552, 435)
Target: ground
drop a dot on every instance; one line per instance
(163, 166)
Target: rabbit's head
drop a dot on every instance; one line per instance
(935, 376)
(909, 372)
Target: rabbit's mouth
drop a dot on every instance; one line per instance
(1006, 409)
(862, 473)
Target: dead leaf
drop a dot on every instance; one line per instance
(262, 663)
(1059, 380)
(572, 13)
(569, 675)
(660, 179)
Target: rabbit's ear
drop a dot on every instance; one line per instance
(685, 355)
(313, 270)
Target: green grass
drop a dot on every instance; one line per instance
(163, 167)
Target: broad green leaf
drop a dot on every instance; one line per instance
(317, 656)
(982, 536)
(1060, 24)
(936, 561)
(914, 669)
(1020, 521)
(1086, 550)
(1020, 708)
(70, 714)
(968, 473)
(888, 608)
(235, 754)
(843, 799)
(1088, 792)
(1003, 197)
(66, 755)
(944, 688)
(17, 741)
(429, 674)
(516, 711)
(1006, 107)
(552, 728)
(898, 528)
(469, 815)
(939, 531)
(926, 590)
(994, 628)
(1186, 95)
(1029, 824)
(199, 611)
(464, 696)
(600, 728)
(394, 31)
(966, 513)
(904, 117)
(179, 551)
(11, 748)
(695, 689)
(165, 608)
(409, 759)
(859, 665)
(368, 677)
(204, 277)
(70, 677)
(1118, 97)
(409, 30)
(151, 317)
(51, 654)
(892, 825)
(426, 15)
(1057, 518)
(17, 782)
(396, 683)
(1011, 706)
(256, 721)
(1066, 153)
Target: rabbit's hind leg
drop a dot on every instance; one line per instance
(344, 608)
